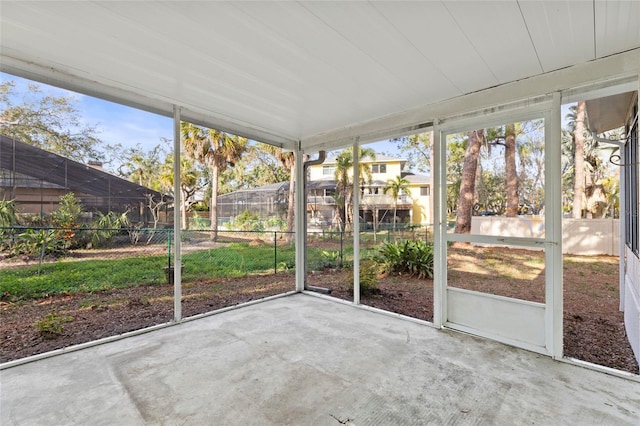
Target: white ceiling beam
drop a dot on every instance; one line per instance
(618, 66)
(85, 85)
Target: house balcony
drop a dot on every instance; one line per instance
(384, 201)
(367, 201)
(321, 200)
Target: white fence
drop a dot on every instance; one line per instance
(579, 236)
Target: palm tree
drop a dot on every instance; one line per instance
(288, 161)
(510, 169)
(216, 150)
(578, 117)
(343, 175)
(396, 187)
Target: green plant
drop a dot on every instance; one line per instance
(330, 258)
(38, 243)
(247, 221)
(66, 217)
(52, 324)
(369, 271)
(107, 225)
(8, 213)
(414, 257)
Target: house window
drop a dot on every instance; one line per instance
(425, 191)
(328, 170)
(632, 185)
(378, 168)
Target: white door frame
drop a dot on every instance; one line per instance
(529, 325)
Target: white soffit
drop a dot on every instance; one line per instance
(288, 71)
(610, 112)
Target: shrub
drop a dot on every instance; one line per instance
(38, 243)
(66, 217)
(52, 325)
(8, 213)
(108, 225)
(369, 271)
(414, 257)
(247, 221)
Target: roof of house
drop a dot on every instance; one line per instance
(417, 179)
(380, 158)
(28, 160)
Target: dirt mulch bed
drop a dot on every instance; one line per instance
(90, 316)
(593, 325)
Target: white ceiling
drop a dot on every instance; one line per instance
(289, 71)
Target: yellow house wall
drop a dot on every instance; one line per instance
(420, 211)
(394, 169)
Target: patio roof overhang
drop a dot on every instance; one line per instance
(319, 74)
(609, 112)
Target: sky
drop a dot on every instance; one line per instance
(116, 123)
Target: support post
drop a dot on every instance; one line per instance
(177, 227)
(300, 212)
(553, 228)
(356, 223)
(439, 192)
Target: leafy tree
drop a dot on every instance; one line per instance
(52, 123)
(475, 139)
(395, 187)
(257, 167)
(216, 150)
(456, 148)
(141, 166)
(418, 150)
(190, 183)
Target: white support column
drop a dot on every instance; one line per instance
(439, 194)
(177, 226)
(553, 229)
(356, 222)
(622, 267)
(300, 212)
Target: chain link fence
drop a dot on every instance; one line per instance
(67, 260)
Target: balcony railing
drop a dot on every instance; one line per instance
(367, 200)
(384, 200)
(321, 200)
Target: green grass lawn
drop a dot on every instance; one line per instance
(63, 276)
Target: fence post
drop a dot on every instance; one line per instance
(169, 251)
(275, 252)
(341, 248)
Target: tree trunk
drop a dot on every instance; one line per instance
(510, 170)
(578, 163)
(291, 207)
(468, 183)
(213, 205)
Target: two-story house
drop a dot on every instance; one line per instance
(376, 206)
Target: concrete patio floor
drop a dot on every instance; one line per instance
(305, 360)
